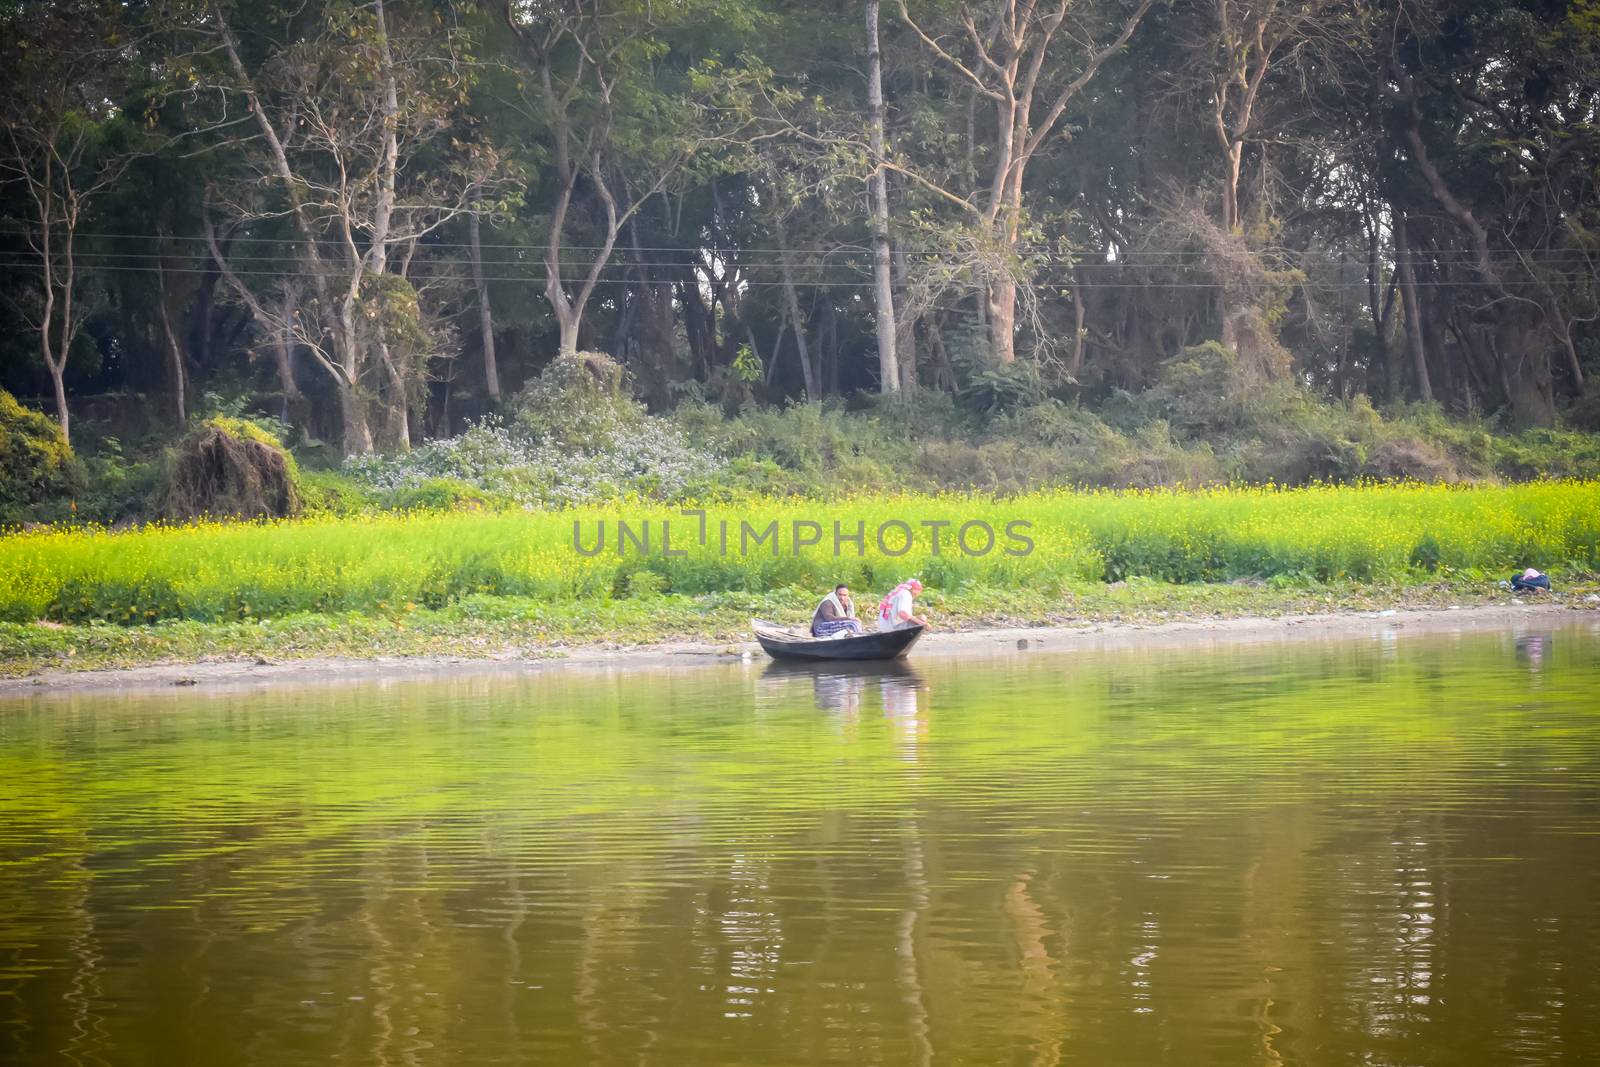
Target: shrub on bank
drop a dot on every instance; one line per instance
(36, 464)
(575, 436)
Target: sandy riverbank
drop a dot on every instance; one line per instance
(255, 673)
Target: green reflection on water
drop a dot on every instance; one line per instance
(1372, 851)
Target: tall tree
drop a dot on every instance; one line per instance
(65, 142)
(1021, 59)
(491, 368)
(882, 270)
(590, 84)
(363, 181)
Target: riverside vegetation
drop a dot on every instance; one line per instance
(488, 542)
(487, 582)
(576, 435)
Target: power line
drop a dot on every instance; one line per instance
(825, 261)
(621, 250)
(1064, 283)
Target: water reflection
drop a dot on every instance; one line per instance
(1373, 852)
(841, 688)
(1531, 649)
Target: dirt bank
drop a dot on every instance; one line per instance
(249, 674)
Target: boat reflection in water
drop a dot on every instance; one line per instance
(844, 689)
(1531, 649)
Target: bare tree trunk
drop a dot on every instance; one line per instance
(283, 347)
(1075, 365)
(1374, 284)
(648, 323)
(1001, 305)
(791, 301)
(567, 337)
(1011, 57)
(353, 410)
(1574, 367)
(58, 380)
(944, 372)
(397, 406)
(279, 156)
(698, 329)
(830, 346)
(1412, 307)
(1525, 369)
(1230, 323)
(491, 370)
(1002, 295)
(883, 282)
(398, 419)
(905, 331)
(1230, 188)
(1561, 330)
(174, 352)
(56, 367)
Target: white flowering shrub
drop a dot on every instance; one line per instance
(651, 459)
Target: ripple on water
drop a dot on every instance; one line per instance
(1362, 851)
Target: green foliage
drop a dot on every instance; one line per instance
(120, 490)
(620, 453)
(581, 400)
(390, 303)
(1186, 431)
(987, 388)
(36, 464)
(327, 492)
(435, 494)
(1193, 428)
(1201, 391)
(383, 563)
(746, 365)
(644, 585)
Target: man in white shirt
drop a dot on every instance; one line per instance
(895, 612)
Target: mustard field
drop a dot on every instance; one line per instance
(405, 562)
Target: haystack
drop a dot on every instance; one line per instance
(229, 468)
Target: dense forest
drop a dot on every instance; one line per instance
(377, 221)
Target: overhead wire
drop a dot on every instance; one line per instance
(1044, 251)
(581, 276)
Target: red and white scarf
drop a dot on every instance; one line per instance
(905, 586)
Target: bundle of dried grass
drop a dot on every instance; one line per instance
(229, 469)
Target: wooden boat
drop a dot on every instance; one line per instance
(874, 644)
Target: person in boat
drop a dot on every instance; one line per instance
(897, 611)
(836, 614)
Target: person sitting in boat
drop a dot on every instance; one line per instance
(836, 614)
(896, 611)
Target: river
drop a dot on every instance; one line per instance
(1381, 850)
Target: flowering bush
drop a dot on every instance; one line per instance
(653, 460)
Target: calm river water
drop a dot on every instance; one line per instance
(1373, 851)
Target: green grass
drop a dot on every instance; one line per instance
(512, 584)
(400, 564)
(214, 572)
